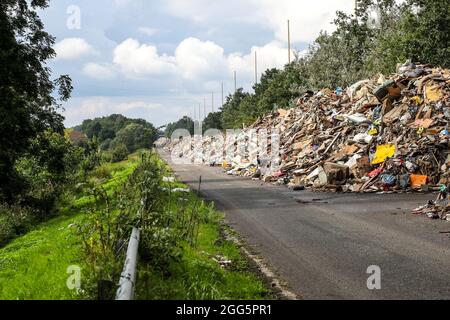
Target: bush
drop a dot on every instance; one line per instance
(14, 221)
(6, 230)
(102, 173)
(159, 247)
(90, 162)
(120, 153)
(105, 145)
(106, 157)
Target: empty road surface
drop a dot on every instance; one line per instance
(321, 244)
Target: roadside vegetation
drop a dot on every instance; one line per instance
(182, 252)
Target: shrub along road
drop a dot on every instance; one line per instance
(323, 243)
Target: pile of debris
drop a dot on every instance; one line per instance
(385, 134)
(381, 134)
(162, 142)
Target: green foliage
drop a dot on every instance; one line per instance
(119, 153)
(50, 164)
(176, 263)
(177, 229)
(213, 121)
(417, 29)
(14, 220)
(28, 106)
(232, 111)
(34, 265)
(198, 277)
(426, 29)
(107, 128)
(135, 137)
(36, 160)
(113, 132)
(276, 89)
(92, 156)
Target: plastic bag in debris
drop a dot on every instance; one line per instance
(383, 152)
(417, 181)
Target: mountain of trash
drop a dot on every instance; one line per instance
(380, 134)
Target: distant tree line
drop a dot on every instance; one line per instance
(374, 39)
(119, 135)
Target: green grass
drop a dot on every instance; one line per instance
(34, 266)
(197, 276)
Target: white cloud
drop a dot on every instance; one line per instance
(194, 60)
(103, 106)
(136, 60)
(153, 109)
(99, 71)
(198, 59)
(271, 55)
(307, 18)
(73, 48)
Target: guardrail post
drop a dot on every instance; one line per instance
(128, 277)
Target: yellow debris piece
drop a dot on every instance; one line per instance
(383, 152)
(433, 93)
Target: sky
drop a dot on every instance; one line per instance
(160, 59)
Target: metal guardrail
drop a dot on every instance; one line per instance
(128, 277)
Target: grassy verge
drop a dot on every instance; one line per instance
(199, 276)
(211, 269)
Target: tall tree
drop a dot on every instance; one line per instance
(213, 121)
(28, 107)
(426, 29)
(231, 110)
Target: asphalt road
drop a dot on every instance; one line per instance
(321, 244)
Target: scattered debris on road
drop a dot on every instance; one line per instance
(437, 209)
